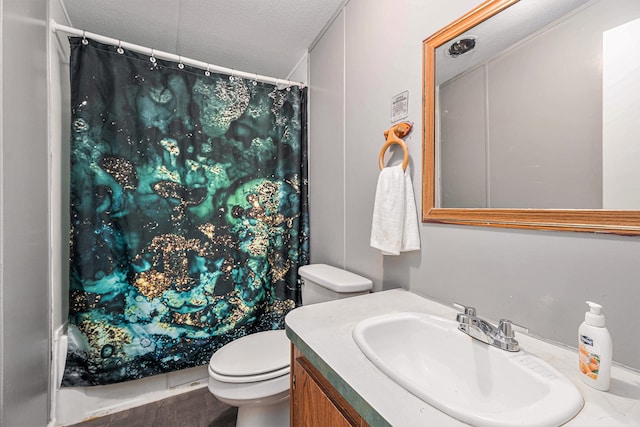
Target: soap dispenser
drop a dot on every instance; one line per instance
(595, 349)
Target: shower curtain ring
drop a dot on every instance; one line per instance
(180, 64)
(120, 50)
(207, 73)
(84, 38)
(152, 58)
(232, 77)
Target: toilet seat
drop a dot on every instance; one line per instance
(257, 357)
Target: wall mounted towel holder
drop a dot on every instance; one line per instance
(394, 135)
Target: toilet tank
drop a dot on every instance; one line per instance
(322, 282)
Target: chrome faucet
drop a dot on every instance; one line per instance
(501, 336)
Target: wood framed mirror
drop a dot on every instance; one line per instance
(476, 117)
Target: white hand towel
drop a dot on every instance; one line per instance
(394, 228)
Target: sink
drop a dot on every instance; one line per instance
(469, 380)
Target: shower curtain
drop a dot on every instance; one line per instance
(189, 213)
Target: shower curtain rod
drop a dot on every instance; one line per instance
(55, 27)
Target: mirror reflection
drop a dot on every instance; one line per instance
(538, 107)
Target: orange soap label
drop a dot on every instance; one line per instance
(589, 362)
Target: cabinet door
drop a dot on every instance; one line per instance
(314, 402)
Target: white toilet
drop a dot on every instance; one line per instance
(252, 372)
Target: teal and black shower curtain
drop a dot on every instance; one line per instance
(189, 213)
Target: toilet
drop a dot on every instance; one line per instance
(252, 372)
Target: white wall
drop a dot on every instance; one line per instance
(59, 133)
(535, 278)
(24, 228)
(326, 155)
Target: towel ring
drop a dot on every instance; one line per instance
(393, 135)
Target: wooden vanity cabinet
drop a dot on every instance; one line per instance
(314, 401)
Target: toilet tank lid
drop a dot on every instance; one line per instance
(335, 279)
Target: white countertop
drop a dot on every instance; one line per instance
(322, 332)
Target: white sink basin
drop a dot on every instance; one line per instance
(464, 378)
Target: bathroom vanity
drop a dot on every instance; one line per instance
(331, 377)
(314, 401)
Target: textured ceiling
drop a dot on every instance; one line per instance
(266, 37)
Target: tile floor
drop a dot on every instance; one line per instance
(194, 409)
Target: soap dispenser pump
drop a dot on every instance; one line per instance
(595, 349)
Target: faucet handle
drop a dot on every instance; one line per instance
(507, 327)
(469, 311)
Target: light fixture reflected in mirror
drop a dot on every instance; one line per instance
(462, 46)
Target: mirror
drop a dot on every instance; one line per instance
(531, 117)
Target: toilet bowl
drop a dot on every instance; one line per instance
(252, 372)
